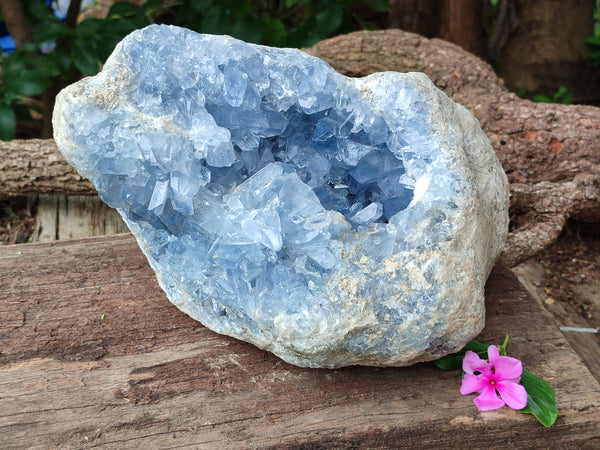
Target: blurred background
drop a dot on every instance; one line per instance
(545, 50)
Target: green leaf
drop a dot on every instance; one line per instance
(153, 7)
(541, 99)
(201, 6)
(44, 65)
(106, 46)
(14, 64)
(540, 399)
(122, 9)
(38, 9)
(114, 30)
(89, 27)
(8, 123)
(379, 5)
(28, 83)
(297, 36)
(290, 3)
(85, 57)
(247, 29)
(119, 27)
(140, 20)
(215, 20)
(559, 93)
(273, 32)
(454, 360)
(49, 32)
(592, 40)
(329, 18)
(595, 58)
(62, 57)
(567, 99)
(30, 47)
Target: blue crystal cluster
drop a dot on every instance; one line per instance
(267, 190)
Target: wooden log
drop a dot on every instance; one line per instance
(35, 166)
(92, 353)
(550, 152)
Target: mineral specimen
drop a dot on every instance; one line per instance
(330, 220)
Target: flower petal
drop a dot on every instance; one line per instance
(488, 400)
(473, 363)
(493, 354)
(508, 368)
(512, 393)
(473, 383)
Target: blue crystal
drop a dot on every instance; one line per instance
(272, 196)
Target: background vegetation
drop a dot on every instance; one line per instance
(54, 49)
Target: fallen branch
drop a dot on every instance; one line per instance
(550, 152)
(34, 166)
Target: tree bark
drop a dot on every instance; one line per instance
(73, 13)
(547, 50)
(457, 21)
(34, 166)
(16, 22)
(416, 16)
(461, 22)
(550, 152)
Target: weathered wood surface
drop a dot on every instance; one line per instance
(93, 355)
(61, 217)
(587, 345)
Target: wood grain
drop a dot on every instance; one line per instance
(62, 217)
(34, 166)
(93, 355)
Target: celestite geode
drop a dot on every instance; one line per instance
(330, 220)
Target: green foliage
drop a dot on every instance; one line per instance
(562, 95)
(540, 399)
(21, 77)
(60, 54)
(8, 122)
(289, 23)
(594, 40)
(82, 49)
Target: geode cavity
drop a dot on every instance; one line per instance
(329, 220)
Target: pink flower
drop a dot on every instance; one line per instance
(496, 381)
